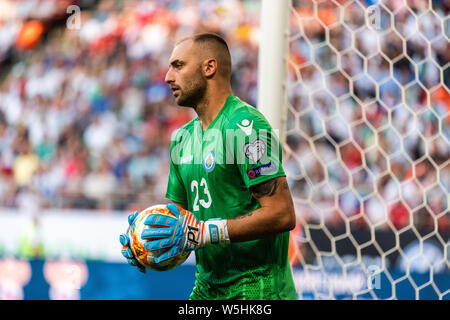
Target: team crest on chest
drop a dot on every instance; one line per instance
(209, 162)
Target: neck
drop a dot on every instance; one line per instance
(208, 109)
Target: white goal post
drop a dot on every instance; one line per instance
(272, 62)
(358, 91)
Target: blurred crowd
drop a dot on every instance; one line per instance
(86, 118)
(368, 125)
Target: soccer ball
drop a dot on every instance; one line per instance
(143, 256)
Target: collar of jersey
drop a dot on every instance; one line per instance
(227, 103)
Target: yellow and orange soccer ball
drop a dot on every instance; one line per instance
(143, 256)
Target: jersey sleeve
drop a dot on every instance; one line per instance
(175, 187)
(254, 147)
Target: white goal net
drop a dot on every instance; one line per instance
(366, 142)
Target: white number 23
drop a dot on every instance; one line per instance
(195, 188)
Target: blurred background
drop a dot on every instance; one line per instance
(86, 121)
(86, 116)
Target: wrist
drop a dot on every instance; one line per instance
(215, 232)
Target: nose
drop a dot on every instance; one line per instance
(169, 77)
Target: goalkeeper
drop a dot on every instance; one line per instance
(226, 182)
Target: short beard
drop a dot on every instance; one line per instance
(193, 94)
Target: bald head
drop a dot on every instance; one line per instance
(211, 45)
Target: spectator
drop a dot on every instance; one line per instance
(25, 165)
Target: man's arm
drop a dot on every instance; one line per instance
(276, 214)
(185, 232)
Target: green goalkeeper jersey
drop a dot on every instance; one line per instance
(211, 172)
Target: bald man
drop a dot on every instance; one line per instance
(226, 184)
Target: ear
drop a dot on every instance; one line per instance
(210, 67)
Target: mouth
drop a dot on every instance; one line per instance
(175, 91)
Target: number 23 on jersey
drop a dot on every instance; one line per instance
(195, 188)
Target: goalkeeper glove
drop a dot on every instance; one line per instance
(183, 233)
(126, 250)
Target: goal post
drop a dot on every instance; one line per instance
(272, 63)
(359, 93)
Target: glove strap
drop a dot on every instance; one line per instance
(215, 232)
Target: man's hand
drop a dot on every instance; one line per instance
(181, 234)
(126, 250)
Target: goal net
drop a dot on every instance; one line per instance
(366, 147)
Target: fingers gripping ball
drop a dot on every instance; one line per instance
(146, 257)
